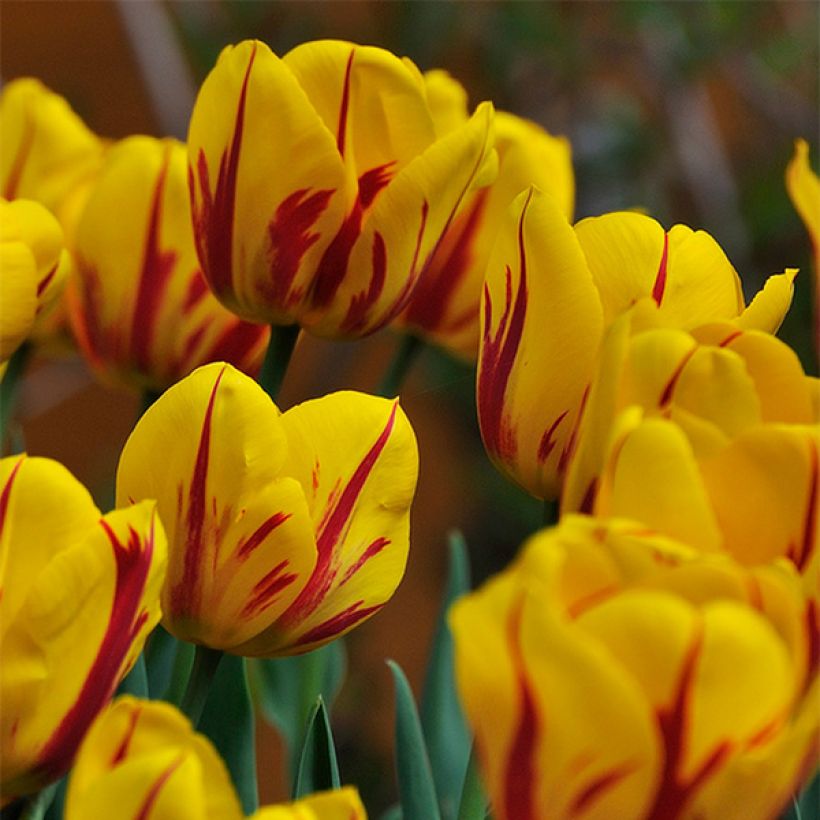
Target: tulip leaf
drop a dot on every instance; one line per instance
(228, 720)
(318, 767)
(806, 805)
(160, 654)
(136, 681)
(416, 788)
(287, 689)
(473, 805)
(445, 730)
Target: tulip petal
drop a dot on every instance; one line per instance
(541, 328)
(18, 296)
(770, 305)
(804, 189)
(341, 804)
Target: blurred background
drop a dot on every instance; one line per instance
(685, 109)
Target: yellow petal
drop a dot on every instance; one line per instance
(770, 305)
(211, 451)
(144, 313)
(341, 804)
(269, 187)
(447, 100)
(356, 457)
(803, 186)
(541, 327)
(18, 296)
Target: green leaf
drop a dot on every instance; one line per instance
(806, 805)
(474, 804)
(318, 767)
(136, 681)
(416, 789)
(445, 729)
(228, 721)
(287, 688)
(160, 654)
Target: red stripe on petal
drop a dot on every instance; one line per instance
(45, 282)
(153, 793)
(498, 357)
(5, 496)
(801, 552)
(121, 751)
(267, 589)
(660, 278)
(547, 443)
(126, 619)
(338, 624)
(154, 277)
(236, 343)
(373, 548)
(195, 293)
(730, 338)
(341, 130)
(666, 394)
(246, 547)
(213, 219)
(602, 784)
(185, 595)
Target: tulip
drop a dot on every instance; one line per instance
(143, 758)
(445, 304)
(550, 291)
(803, 186)
(711, 437)
(612, 672)
(142, 312)
(318, 183)
(80, 595)
(286, 530)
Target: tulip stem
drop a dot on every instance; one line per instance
(10, 387)
(280, 348)
(206, 661)
(38, 805)
(407, 352)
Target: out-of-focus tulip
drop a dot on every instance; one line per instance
(285, 530)
(319, 185)
(550, 291)
(711, 437)
(611, 672)
(143, 759)
(445, 304)
(80, 593)
(143, 313)
(803, 186)
(34, 266)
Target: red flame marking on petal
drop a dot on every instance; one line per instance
(156, 788)
(335, 523)
(153, 279)
(257, 537)
(341, 130)
(730, 338)
(498, 357)
(660, 278)
(813, 652)
(666, 394)
(338, 624)
(19, 162)
(237, 344)
(196, 291)
(266, 590)
(133, 562)
(590, 793)
(5, 496)
(547, 443)
(45, 282)
(213, 220)
(122, 750)
(802, 552)
(373, 548)
(185, 595)
(588, 500)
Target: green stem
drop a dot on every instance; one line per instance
(38, 804)
(550, 512)
(473, 805)
(206, 661)
(407, 351)
(180, 672)
(136, 681)
(280, 348)
(10, 386)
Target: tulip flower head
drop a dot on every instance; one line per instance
(286, 530)
(319, 185)
(446, 303)
(549, 293)
(80, 593)
(612, 672)
(142, 311)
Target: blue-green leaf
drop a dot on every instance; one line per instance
(806, 805)
(416, 790)
(136, 681)
(318, 767)
(445, 729)
(228, 720)
(160, 654)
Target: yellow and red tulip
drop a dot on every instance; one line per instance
(80, 593)
(712, 437)
(550, 291)
(143, 759)
(142, 310)
(319, 184)
(285, 530)
(446, 303)
(611, 672)
(34, 266)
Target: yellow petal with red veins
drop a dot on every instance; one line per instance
(770, 305)
(269, 188)
(143, 758)
(341, 804)
(356, 457)
(541, 329)
(211, 451)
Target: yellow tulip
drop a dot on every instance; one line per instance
(143, 313)
(143, 759)
(445, 304)
(550, 291)
(285, 530)
(612, 672)
(803, 186)
(34, 267)
(80, 593)
(319, 185)
(712, 437)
